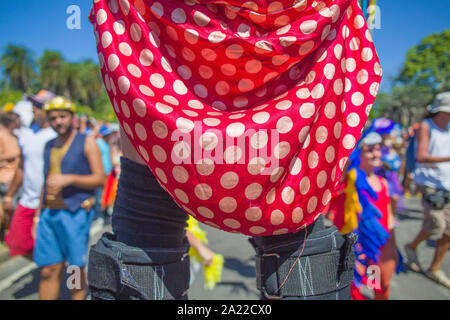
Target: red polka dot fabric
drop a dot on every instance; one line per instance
(245, 112)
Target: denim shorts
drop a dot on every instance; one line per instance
(62, 236)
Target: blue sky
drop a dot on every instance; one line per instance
(41, 24)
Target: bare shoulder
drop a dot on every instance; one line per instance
(90, 143)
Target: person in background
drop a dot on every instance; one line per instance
(432, 174)
(361, 204)
(104, 134)
(73, 170)
(29, 176)
(9, 161)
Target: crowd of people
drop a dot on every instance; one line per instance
(58, 173)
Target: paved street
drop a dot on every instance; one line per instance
(19, 278)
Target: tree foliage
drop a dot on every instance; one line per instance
(427, 64)
(426, 72)
(79, 81)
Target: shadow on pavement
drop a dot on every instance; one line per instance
(244, 269)
(238, 288)
(31, 289)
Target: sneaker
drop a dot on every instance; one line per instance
(411, 259)
(440, 277)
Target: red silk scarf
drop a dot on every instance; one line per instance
(245, 112)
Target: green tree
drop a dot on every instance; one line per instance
(404, 104)
(50, 69)
(18, 66)
(427, 64)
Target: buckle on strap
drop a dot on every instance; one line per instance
(311, 276)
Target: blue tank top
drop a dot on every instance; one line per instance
(74, 162)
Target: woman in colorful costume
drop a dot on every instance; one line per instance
(229, 105)
(361, 204)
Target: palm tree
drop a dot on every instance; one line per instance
(18, 66)
(50, 69)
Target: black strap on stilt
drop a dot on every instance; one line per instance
(312, 275)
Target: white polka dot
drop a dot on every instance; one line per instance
(157, 80)
(208, 54)
(205, 72)
(181, 195)
(119, 27)
(321, 179)
(366, 54)
(184, 72)
(359, 22)
(318, 91)
(329, 154)
(337, 130)
(234, 51)
(136, 32)
(228, 204)
(261, 117)
(304, 185)
(284, 124)
(216, 37)
(313, 159)
(329, 71)
(281, 150)
(245, 85)
(232, 223)
(349, 142)
(357, 99)
(288, 195)
(312, 204)
(308, 26)
(203, 191)
(140, 131)
(363, 76)
(134, 71)
(307, 110)
(139, 107)
(253, 191)
(157, 9)
(179, 87)
(229, 180)
(161, 175)
(125, 109)
(124, 84)
(338, 87)
(178, 16)
(353, 120)
(321, 134)
(113, 62)
(160, 129)
(253, 66)
(191, 36)
(235, 130)
(222, 88)
(146, 57)
(184, 125)
(163, 108)
(106, 39)
(205, 212)
(201, 19)
(201, 91)
(159, 153)
(259, 139)
(146, 91)
(306, 48)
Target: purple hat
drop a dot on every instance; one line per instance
(40, 98)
